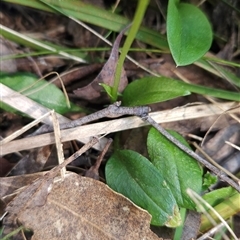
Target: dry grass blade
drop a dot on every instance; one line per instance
(200, 202)
(34, 110)
(57, 135)
(24, 129)
(215, 164)
(116, 125)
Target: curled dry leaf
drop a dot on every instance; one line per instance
(93, 91)
(83, 208)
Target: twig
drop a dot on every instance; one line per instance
(215, 163)
(115, 110)
(92, 172)
(116, 125)
(112, 111)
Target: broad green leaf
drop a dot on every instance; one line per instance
(40, 91)
(131, 174)
(219, 195)
(157, 89)
(152, 90)
(178, 169)
(189, 32)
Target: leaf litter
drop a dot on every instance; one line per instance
(83, 208)
(202, 78)
(101, 212)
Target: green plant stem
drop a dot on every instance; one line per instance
(226, 209)
(139, 14)
(179, 230)
(11, 234)
(218, 93)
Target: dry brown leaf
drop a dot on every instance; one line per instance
(10, 184)
(83, 208)
(32, 162)
(93, 91)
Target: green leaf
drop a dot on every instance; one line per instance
(152, 90)
(217, 196)
(178, 169)
(189, 32)
(208, 180)
(107, 88)
(40, 91)
(157, 89)
(135, 177)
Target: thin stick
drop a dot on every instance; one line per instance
(87, 146)
(215, 163)
(112, 111)
(92, 172)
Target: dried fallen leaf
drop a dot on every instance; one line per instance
(93, 91)
(32, 162)
(10, 184)
(83, 208)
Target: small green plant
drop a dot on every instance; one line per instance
(158, 185)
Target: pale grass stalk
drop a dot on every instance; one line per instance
(124, 123)
(233, 145)
(200, 202)
(23, 129)
(35, 110)
(213, 231)
(57, 135)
